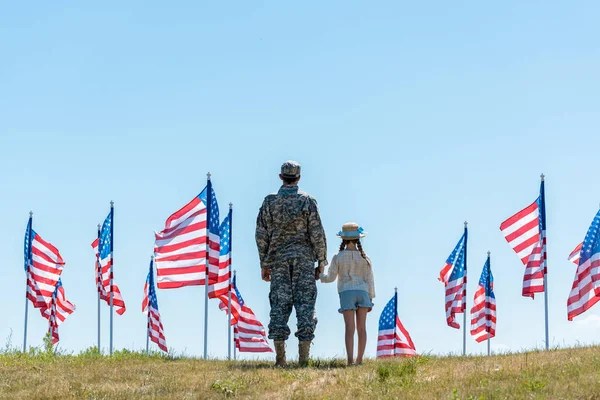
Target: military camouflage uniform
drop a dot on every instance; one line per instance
(290, 238)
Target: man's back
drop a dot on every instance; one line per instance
(289, 226)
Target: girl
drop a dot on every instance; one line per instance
(356, 287)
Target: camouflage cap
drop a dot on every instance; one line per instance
(290, 169)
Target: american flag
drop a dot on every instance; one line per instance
(249, 334)
(221, 287)
(454, 277)
(576, 254)
(180, 248)
(586, 285)
(526, 233)
(150, 306)
(43, 266)
(103, 246)
(483, 313)
(59, 311)
(393, 339)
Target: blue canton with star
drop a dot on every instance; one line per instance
(237, 293)
(457, 259)
(27, 245)
(388, 315)
(225, 236)
(151, 289)
(213, 217)
(487, 279)
(591, 243)
(105, 244)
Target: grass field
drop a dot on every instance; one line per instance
(555, 374)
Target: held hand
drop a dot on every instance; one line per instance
(266, 274)
(317, 273)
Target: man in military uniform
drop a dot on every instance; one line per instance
(290, 239)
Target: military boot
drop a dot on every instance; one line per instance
(280, 353)
(304, 352)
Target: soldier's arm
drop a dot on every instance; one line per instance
(262, 236)
(316, 233)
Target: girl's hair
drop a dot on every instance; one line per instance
(358, 246)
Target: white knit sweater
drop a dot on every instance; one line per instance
(352, 271)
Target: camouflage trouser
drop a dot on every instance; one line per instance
(293, 285)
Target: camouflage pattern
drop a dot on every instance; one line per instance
(293, 285)
(289, 226)
(290, 238)
(290, 169)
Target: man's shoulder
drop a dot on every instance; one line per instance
(305, 195)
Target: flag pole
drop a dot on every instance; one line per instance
(27, 280)
(545, 258)
(112, 264)
(465, 298)
(52, 317)
(234, 347)
(395, 327)
(489, 335)
(100, 282)
(208, 207)
(229, 287)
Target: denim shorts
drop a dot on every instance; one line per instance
(352, 299)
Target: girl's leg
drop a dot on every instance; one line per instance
(361, 328)
(349, 321)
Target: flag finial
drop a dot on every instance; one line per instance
(152, 257)
(542, 176)
(396, 289)
(489, 252)
(466, 223)
(208, 175)
(230, 206)
(99, 226)
(112, 204)
(30, 214)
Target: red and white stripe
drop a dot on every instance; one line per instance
(102, 270)
(249, 334)
(156, 332)
(236, 309)
(220, 287)
(395, 342)
(53, 325)
(576, 254)
(535, 270)
(483, 316)
(585, 291)
(522, 232)
(180, 248)
(43, 273)
(456, 292)
(445, 273)
(57, 314)
(62, 307)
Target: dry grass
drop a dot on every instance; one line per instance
(556, 374)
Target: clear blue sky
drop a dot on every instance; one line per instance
(407, 118)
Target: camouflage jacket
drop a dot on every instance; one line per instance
(289, 226)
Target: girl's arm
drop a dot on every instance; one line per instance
(332, 272)
(371, 281)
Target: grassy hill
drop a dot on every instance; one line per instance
(556, 374)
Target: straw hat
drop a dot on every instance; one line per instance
(351, 231)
